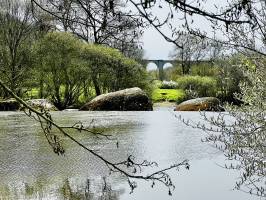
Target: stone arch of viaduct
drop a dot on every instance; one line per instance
(160, 65)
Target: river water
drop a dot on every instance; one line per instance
(30, 170)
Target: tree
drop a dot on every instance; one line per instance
(112, 69)
(67, 67)
(16, 35)
(229, 77)
(193, 49)
(231, 21)
(99, 22)
(60, 68)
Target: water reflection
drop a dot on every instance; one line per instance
(102, 192)
(67, 190)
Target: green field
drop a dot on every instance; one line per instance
(34, 94)
(171, 95)
(158, 95)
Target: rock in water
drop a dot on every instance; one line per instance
(41, 104)
(200, 104)
(9, 105)
(132, 99)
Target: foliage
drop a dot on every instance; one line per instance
(228, 80)
(191, 50)
(168, 85)
(58, 64)
(202, 86)
(173, 73)
(96, 22)
(111, 71)
(32, 94)
(241, 132)
(220, 79)
(153, 75)
(204, 69)
(16, 36)
(171, 95)
(67, 69)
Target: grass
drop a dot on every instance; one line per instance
(171, 95)
(158, 95)
(33, 93)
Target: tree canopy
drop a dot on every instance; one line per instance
(67, 66)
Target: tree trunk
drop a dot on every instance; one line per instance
(96, 85)
(41, 89)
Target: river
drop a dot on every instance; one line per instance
(30, 170)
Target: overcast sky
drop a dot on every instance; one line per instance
(155, 46)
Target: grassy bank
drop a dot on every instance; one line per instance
(171, 95)
(158, 95)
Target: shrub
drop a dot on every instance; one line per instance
(168, 85)
(240, 133)
(204, 69)
(228, 81)
(173, 73)
(202, 86)
(110, 70)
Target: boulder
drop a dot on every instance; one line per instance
(200, 104)
(9, 105)
(132, 99)
(41, 104)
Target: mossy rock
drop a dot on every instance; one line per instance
(9, 105)
(200, 104)
(132, 99)
(40, 104)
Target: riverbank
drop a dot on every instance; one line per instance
(164, 104)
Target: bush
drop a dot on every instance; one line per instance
(228, 81)
(240, 133)
(200, 86)
(173, 73)
(168, 85)
(204, 69)
(111, 71)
